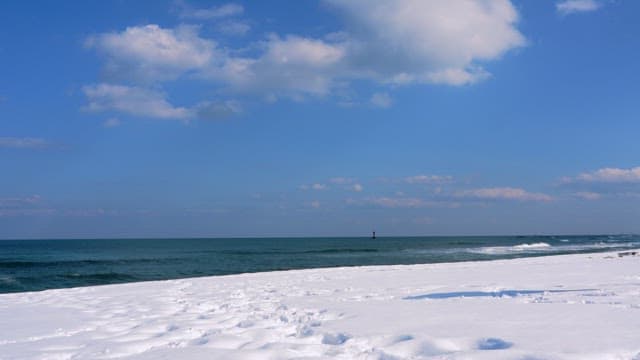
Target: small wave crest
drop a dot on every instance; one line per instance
(288, 252)
(545, 247)
(540, 245)
(16, 264)
(501, 250)
(339, 251)
(100, 277)
(8, 280)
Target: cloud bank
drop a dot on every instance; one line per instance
(503, 193)
(607, 175)
(385, 43)
(140, 101)
(428, 179)
(609, 181)
(414, 41)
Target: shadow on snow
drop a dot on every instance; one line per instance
(502, 293)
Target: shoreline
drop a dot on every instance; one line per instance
(348, 267)
(573, 306)
(119, 267)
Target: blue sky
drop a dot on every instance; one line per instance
(318, 118)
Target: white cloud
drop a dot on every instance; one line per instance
(144, 102)
(402, 202)
(34, 206)
(502, 193)
(152, 53)
(607, 175)
(19, 201)
(381, 100)
(428, 179)
(132, 100)
(342, 182)
(300, 51)
(398, 42)
(111, 122)
(609, 182)
(576, 6)
(292, 67)
(386, 42)
(214, 12)
(22, 206)
(24, 143)
(416, 41)
(313, 187)
(315, 204)
(588, 195)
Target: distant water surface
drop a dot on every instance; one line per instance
(28, 265)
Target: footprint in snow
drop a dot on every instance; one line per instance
(493, 344)
(335, 339)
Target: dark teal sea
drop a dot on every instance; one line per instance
(28, 265)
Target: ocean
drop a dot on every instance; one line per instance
(30, 265)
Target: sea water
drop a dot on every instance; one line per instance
(28, 265)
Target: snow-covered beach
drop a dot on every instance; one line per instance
(584, 306)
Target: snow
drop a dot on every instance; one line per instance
(584, 306)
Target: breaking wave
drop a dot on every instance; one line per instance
(499, 250)
(542, 247)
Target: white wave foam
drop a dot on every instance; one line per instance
(501, 250)
(544, 247)
(540, 245)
